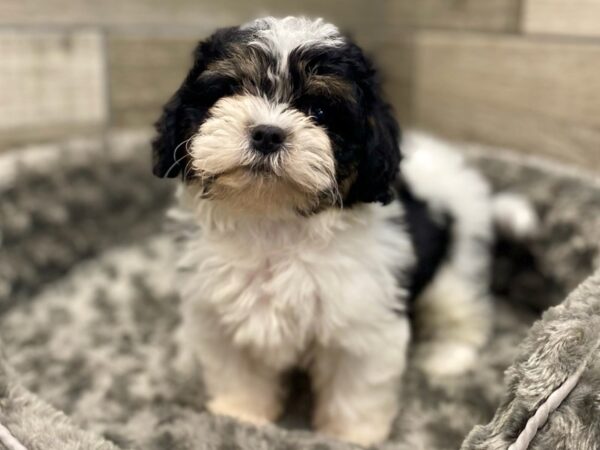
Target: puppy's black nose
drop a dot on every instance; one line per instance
(267, 139)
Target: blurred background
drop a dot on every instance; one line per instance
(520, 74)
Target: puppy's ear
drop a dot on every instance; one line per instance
(184, 112)
(165, 154)
(382, 163)
(379, 166)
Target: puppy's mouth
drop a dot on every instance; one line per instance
(259, 167)
(257, 175)
(263, 167)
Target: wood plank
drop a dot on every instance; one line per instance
(143, 74)
(490, 15)
(50, 80)
(199, 15)
(394, 59)
(529, 94)
(565, 17)
(105, 12)
(22, 137)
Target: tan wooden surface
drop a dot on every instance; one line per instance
(110, 12)
(192, 13)
(534, 95)
(143, 74)
(491, 15)
(497, 15)
(395, 60)
(50, 81)
(564, 17)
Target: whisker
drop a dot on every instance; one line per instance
(180, 144)
(173, 165)
(175, 153)
(187, 169)
(189, 166)
(335, 195)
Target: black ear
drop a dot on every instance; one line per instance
(379, 166)
(186, 109)
(167, 158)
(178, 120)
(382, 163)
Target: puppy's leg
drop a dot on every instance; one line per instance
(237, 384)
(453, 321)
(242, 388)
(357, 385)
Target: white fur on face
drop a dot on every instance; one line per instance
(221, 151)
(280, 36)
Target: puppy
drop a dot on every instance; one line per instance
(312, 239)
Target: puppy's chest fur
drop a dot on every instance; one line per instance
(277, 288)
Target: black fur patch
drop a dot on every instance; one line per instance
(431, 238)
(519, 276)
(363, 131)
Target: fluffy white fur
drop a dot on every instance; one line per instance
(280, 36)
(514, 216)
(453, 313)
(262, 295)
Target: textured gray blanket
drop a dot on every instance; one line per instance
(567, 337)
(88, 309)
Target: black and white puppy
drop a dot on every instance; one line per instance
(310, 245)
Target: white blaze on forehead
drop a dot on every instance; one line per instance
(281, 36)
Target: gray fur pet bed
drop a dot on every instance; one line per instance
(88, 308)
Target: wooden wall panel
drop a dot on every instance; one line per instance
(490, 15)
(144, 72)
(163, 14)
(394, 57)
(534, 95)
(52, 83)
(109, 12)
(565, 17)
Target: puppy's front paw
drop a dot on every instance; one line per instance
(440, 359)
(254, 411)
(364, 433)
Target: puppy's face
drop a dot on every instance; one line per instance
(280, 115)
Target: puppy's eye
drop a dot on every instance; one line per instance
(210, 87)
(318, 114)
